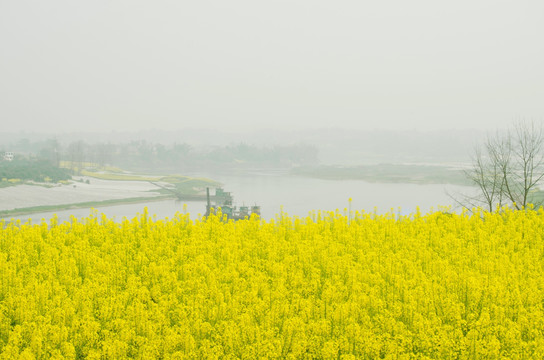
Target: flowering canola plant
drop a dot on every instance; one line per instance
(329, 286)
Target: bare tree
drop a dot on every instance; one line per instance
(528, 169)
(50, 152)
(76, 152)
(486, 175)
(508, 169)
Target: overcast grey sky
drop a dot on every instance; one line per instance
(100, 65)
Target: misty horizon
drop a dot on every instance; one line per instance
(334, 146)
(133, 66)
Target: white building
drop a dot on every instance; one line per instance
(8, 156)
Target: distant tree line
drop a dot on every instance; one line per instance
(180, 156)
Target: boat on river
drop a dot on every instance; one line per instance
(223, 200)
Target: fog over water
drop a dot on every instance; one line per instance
(316, 90)
(294, 196)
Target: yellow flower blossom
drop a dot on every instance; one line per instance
(328, 286)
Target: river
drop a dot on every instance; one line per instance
(295, 195)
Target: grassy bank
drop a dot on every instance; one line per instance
(45, 208)
(118, 177)
(184, 185)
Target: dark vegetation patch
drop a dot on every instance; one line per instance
(35, 170)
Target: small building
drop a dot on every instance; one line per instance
(8, 156)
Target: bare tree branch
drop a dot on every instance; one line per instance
(508, 169)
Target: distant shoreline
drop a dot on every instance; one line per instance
(386, 173)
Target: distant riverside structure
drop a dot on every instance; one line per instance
(8, 156)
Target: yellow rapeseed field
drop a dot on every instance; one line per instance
(329, 286)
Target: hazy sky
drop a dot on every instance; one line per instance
(120, 65)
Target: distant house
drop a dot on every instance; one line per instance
(8, 156)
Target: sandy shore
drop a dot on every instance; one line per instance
(23, 196)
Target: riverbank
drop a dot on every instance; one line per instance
(86, 192)
(83, 205)
(94, 191)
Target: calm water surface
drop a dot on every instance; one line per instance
(295, 195)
